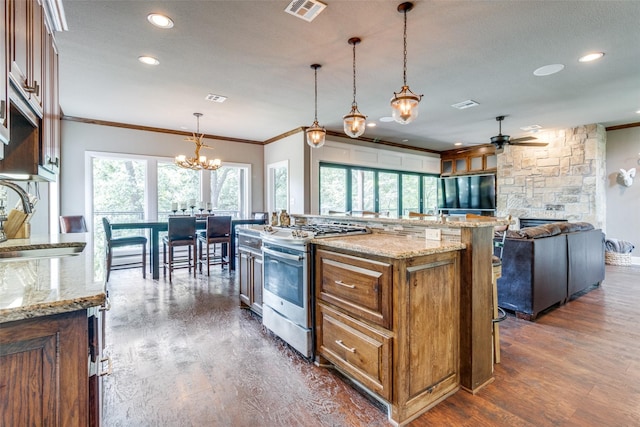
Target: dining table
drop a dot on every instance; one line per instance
(155, 227)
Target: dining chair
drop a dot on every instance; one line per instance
(73, 224)
(260, 215)
(181, 231)
(218, 230)
(111, 243)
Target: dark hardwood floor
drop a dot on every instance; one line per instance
(186, 355)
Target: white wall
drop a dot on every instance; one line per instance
(293, 149)
(623, 203)
(77, 138)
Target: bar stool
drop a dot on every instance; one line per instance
(496, 272)
(181, 231)
(218, 231)
(119, 242)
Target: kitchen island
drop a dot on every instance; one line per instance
(50, 329)
(399, 245)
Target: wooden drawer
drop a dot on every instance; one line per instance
(358, 285)
(362, 352)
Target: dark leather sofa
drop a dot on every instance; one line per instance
(549, 264)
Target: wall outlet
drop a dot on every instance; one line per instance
(432, 233)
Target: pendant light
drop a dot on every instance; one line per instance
(355, 121)
(404, 104)
(316, 133)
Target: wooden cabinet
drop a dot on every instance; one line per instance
(32, 90)
(44, 371)
(391, 324)
(250, 270)
(468, 161)
(26, 24)
(4, 90)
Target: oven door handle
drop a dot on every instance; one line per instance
(282, 255)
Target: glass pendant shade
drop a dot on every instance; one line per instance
(354, 122)
(316, 135)
(405, 106)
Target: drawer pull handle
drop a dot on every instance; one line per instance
(349, 349)
(341, 283)
(109, 366)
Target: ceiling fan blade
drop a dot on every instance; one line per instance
(524, 138)
(529, 144)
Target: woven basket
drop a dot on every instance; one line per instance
(615, 258)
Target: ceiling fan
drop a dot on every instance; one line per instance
(500, 140)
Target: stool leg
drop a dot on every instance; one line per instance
(496, 325)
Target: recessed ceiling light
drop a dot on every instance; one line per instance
(386, 119)
(638, 112)
(160, 21)
(547, 70)
(405, 140)
(591, 57)
(371, 124)
(457, 144)
(149, 60)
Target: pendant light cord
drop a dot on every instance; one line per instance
(404, 68)
(315, 74)
(354, 74)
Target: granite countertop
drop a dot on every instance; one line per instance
(398, 247)
(35, 287)
(446, 222)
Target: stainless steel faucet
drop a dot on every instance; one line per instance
(26, 204)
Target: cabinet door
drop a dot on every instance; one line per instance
(245, 275)
(43, 371)
(433, 307)
(4, 83)
(256, 302)
(50, 152)
(25, 48)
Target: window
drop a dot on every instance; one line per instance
(356, 189)
(177, 186)
(278, 186)
(333, 190)
(229, 195)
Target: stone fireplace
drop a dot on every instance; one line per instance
(564, 180)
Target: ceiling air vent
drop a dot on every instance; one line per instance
(215, 98)
(305, 9)
(465, 104)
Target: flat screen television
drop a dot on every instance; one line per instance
(472, 192)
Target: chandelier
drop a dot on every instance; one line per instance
(316, 133)
(404, 104)
(197, 162)
(354, 122)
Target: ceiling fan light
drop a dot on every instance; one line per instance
(405, 105)
(316, 135)
(354, 122)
